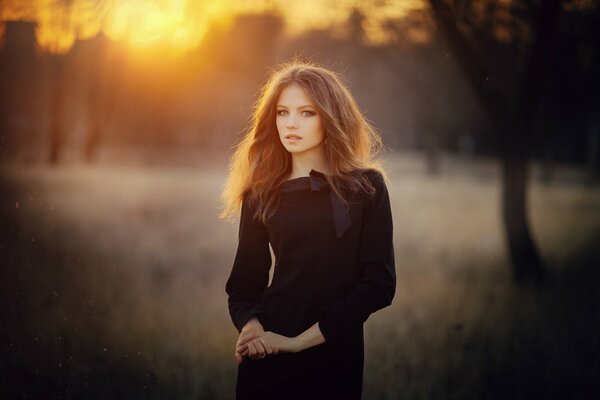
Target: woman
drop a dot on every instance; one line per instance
(306, 182)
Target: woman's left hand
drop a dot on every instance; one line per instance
(276, 341)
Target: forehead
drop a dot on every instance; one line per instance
(294, 96)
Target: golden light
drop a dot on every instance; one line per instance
(169, 25)
(175, 26)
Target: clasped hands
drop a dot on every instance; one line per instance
(255, 343)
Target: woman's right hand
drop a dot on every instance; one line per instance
(247, 345)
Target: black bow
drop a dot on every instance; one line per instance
(341, 217)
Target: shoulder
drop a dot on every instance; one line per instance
(374, 176)
(377, 199)
(374, 181)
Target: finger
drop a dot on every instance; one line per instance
(242, 341)
(252, 350)
(239, 358)
(268, 349)
(260, 347)
(240, 347)
(244, 338)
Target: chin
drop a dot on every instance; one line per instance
(296, 150)
(292, 149)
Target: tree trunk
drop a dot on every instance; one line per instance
(593, 145)
(526, 261)
(517, 143)
(92, 141)
(56, 110)
(513, 124)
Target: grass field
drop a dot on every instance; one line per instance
(113, 286)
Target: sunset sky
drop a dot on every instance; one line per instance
(179, 25)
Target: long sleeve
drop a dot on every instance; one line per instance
(250, 272)
(377, 286)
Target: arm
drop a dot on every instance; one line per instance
(309, 338)
(377, 286)
(250, 272)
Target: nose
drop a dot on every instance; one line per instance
(291, 123)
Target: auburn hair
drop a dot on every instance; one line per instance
(260, 162)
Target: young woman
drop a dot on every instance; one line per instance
(307, 183)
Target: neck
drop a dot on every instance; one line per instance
(303, 163)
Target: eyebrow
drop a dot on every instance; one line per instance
(306, 106)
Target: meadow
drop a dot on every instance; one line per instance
(113, 282)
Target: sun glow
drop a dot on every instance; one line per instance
(175, 26)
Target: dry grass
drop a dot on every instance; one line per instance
(116, 275)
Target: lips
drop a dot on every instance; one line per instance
(292, 136)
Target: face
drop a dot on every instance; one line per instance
(298, 122)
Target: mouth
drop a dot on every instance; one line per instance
(292, 137)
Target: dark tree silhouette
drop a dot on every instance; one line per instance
(525, 31)
(104, 72)
(57, 105)
(19, 88)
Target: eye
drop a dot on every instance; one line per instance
(308, 113)
(281, 112)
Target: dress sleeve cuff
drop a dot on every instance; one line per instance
(254, 311)
(325, 325)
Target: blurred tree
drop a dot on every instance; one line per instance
(20, 89)
(583, 90)
(57, 106)
(567, 130)
(104, 71)
(481, 34)
(443, 108)
(239, 61)
(593, 141)
(429, 92)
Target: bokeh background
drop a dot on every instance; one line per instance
(117, 120)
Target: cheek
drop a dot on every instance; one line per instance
(318, 130)
(279, 125)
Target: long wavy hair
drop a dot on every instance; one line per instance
(260, 162)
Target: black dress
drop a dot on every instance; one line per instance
(333, 265)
